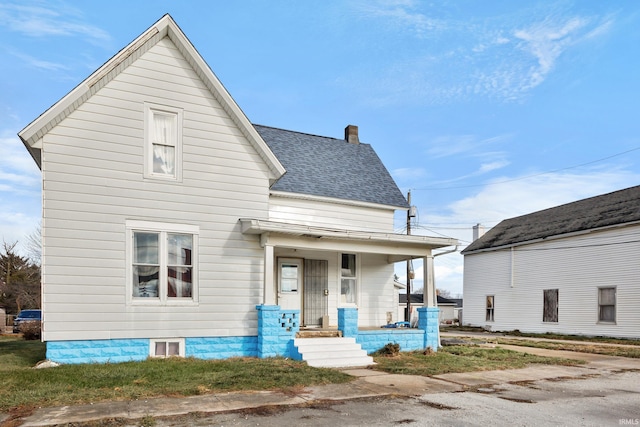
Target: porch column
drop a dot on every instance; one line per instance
(428, 316)
(429, 291)
(269, 297)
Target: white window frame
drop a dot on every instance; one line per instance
(490, 312)
(153, 342)
(149, 110)
(163, 229)
(615, 305)
(356, 279)
(298, 262)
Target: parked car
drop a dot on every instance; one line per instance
(26, 316)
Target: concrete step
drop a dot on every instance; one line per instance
(332, 352)
(318, 333)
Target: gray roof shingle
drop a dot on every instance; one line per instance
(619, 207)
(329, 167)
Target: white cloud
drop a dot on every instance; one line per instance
(502, 200)
(39, 63)
(400, 15)
(501, 57)
(408, 174)
(19, 190)
(56, 20)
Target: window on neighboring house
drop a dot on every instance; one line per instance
(163, 139)
(607, 305)
(550, 305)
(167, 347)
(490, 308)
(348, 279)
(163, 262)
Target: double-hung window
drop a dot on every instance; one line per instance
(490, 308)
(163, 142)
(607, 305)
(348, 279)
(162, 262)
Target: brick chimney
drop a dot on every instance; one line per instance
(351, 134)
(478, 231)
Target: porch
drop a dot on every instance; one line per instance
(279, 334)
(318, 270)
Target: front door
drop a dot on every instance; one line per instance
(289, 283)
(316, 291)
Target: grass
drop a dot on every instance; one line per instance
(462, 359)
(547, 335)
(629, 351)
(23, 386)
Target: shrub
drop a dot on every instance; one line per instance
(389, 349)
(31, 330)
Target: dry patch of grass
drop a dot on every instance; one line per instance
(594, 348)
(462, 359)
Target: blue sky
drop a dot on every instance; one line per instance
(484, 110)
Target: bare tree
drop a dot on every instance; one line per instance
(444, 293)
(33, 245)
(19, 280)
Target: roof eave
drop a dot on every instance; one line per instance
(165, 26)
(549, 238)
(311, 197)
(258, 226)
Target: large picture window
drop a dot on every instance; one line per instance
(163, 142)
(348, 279)
(162, 262)
(607, 305)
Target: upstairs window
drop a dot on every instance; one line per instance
(163, 142)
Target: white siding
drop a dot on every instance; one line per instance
(93, 164)
(376, 291)
(327, 214)
(575, 266)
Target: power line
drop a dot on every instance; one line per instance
(529, 176)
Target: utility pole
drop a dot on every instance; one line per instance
(410, 214)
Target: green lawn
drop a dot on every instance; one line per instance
(77, 384)
(24, 387)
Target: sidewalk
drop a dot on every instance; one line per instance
(369, 383)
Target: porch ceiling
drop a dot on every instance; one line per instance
(397, 246)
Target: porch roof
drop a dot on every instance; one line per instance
(401, 245)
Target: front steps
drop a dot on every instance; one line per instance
(335, 352)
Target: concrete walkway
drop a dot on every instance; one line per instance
(369, 383)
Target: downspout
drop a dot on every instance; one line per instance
(513, 259)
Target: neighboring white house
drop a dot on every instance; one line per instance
(171, 223)
(448, 308)
(571, 269)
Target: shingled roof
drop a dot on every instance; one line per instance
(329, 167)
(619, 207)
